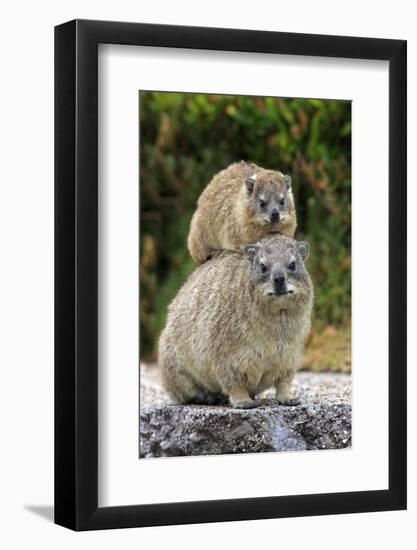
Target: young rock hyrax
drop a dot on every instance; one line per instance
(238, 325)
(241, 204)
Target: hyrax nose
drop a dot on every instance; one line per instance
(274, 215)
(279, 280)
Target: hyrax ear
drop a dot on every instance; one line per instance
(251, 251)
(304, 249)
(288, 181)
(250, 183)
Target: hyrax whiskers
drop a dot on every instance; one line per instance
(238, 325)
(241, 204)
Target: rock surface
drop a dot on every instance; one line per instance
(321, 421)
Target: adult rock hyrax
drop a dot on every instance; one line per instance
(241, 204)
(238, 325)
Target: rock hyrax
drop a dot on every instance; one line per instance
(238, 325)
(241, 204)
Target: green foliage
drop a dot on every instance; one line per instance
(186, 138)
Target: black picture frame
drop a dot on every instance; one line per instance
(76, 272)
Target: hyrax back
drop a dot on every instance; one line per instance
(241, 204)
(238, 325)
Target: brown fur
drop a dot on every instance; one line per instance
(229, 334)
(226, 219)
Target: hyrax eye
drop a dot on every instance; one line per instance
(282, 202)
(262, 203)
(292, 266)
(263, 268)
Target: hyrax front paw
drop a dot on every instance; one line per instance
(286, 394)
(242, 400)
(290, 402)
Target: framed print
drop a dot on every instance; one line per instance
(230, 275)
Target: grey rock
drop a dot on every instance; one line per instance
(321, 421)
(174, 430)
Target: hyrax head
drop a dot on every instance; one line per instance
(278, 270)
(270, 197)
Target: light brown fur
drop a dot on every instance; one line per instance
(228, 334)
(226, 219)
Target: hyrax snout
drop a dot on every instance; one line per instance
(238, 325)
(241, 204)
